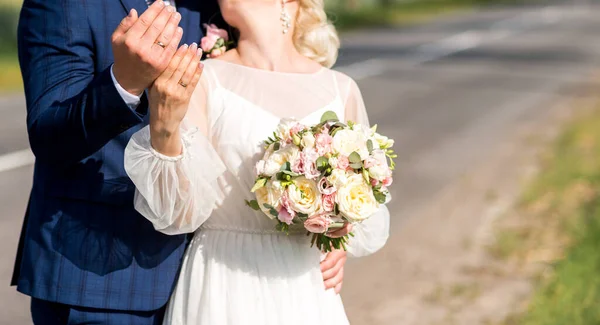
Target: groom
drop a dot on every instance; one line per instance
(85, 254)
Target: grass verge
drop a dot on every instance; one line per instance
(559, 228)
(404, 12)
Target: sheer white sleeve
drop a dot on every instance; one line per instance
(177, 194)
(371, 234)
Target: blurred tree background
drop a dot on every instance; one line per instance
(10, 76)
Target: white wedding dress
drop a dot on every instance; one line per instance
(238, 269)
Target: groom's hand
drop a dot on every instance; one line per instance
(143, 46)
(332, 268)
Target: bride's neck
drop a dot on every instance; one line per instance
(263, 44)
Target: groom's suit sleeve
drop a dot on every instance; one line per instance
(73, 109)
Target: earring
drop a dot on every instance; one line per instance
(285, 18)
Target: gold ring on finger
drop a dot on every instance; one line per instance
(161, 44)
(183, 84)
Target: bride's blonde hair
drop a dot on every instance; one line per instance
(314, 36)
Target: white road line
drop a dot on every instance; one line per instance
(16, 159)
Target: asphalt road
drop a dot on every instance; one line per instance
(447, 91)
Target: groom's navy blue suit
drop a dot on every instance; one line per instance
(82, 243)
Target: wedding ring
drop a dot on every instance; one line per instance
(184, 85)
(161, 44)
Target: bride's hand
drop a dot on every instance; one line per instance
(169, 98)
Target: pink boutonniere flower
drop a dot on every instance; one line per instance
(215, 42)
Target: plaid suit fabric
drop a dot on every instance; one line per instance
(82, 243)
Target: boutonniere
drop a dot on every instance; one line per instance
(216, 41)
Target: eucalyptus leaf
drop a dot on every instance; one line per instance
(354, 158)
(286, 166)
(356, 165)
(379, 197)
(370, 145)
(276, 146)
(322, 163)
(253, 204)
(329, 116)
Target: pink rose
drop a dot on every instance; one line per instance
(343, 162)
(325, 187)
(309, 157)
(328, 202)
(323, 142)
(208, 43)
(317, 224)
(213, 31)
(387, 181)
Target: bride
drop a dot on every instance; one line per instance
(193, 167)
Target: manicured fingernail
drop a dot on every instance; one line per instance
(170, 9)
(179, 30)
(199, 52)
(185, 46)
(130, 13)
(177, 16)
(194, 46)
(160, 3)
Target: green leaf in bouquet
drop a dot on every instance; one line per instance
(283, 227)
(286, 167)
(253, 204)
(272, 210)
(276, 146)
(302, 216)
(354, 158)
(258, 184)
(370, 146)
(379, 197)
(356, 165)
(329, 116)
(322, 163)
(374, 128)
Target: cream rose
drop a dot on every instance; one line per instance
(271, 195)
(338, 178)
(274, 162)
(378, 166)
(355, 199)
(304, 196)
(348, 141)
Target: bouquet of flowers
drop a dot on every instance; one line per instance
(323, 176)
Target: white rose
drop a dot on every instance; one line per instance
(271, 195)
(348, 141)
(278, 158)
(304, 196)
(259, 168)
(380, 169)
(308, 140)
(284, 127)
(338, 178)
(355, 199)
(383, 141)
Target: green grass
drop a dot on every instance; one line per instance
(562, 207)
(403, 13)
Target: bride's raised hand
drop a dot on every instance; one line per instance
(169, 99)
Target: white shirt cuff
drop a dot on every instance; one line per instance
(130, 99)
